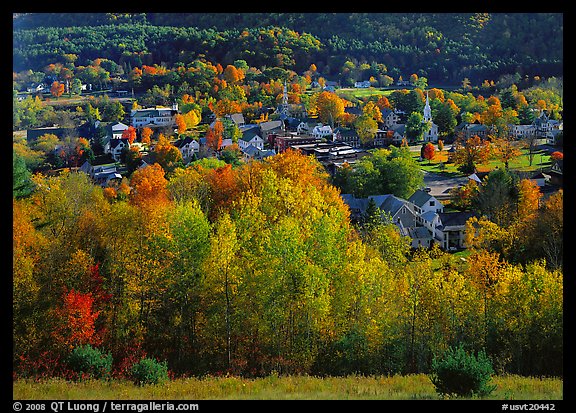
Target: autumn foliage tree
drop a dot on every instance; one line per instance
(149, 187)
(146, 134)
(330, 107)
(428, 152)
(471, 153)
(557, 155)
(166, 154)
(75, 321)
(214, 136)
(57, 89)
(130, 134)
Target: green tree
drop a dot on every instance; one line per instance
(21, 183)
(414, 127)
(366, 128)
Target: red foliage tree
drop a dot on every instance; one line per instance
(214, 136)
(130, 134)
(75, 321)
(428, 152)
(557, 155)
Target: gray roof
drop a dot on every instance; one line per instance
(455, 219)
(419, 198)
(183, 141)
(419, 232)
(115, 142)
(270, 125)
(428, 216)
(392, 204)
(237, 118)
(248, 134)
(388, 203)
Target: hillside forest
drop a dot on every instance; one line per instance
(253, 268)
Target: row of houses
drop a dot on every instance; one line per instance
(421, 217)
(543, 127)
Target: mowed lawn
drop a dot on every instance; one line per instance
(522, 163)
(408, 387)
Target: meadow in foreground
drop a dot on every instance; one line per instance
(409, 387)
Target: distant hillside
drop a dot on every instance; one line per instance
(441, 46)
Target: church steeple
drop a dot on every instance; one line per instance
(285, 95)
(283, 108)
(427, 110)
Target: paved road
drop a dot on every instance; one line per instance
(440, 185)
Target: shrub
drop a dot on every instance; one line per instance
(90, 361)
(149, 371)
(462, 374)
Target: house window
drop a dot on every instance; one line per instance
(432, 203)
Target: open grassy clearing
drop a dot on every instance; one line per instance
(438, 165)
(409, 387)
(352, 94)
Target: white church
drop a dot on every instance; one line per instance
(431, 133)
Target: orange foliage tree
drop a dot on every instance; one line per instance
(167, 155)
(146, 135)
(129, 134)
(428, 152)
(74, 320)
(57, 89)
(149, 187)
(214, 136)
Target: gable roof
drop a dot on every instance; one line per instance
(393, 204)
(115, 142)
(183, 142)
(419, 198)
(388, 203)
(249, 134)
(270, 125)
(455, 219)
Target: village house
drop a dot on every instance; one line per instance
(424, 202)
(421, 218)
(347, 136)
(187, 147)
(467, 130)
(400, 211)
(115, 147)
(390, 118)
(114, 130)
(101, 174)
(251, 136)
(363, 84)
(322, 131)
(272, 127)
(251, 152)
(156, 116)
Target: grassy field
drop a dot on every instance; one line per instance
(409, 387)
(522, 163)
(354, 94)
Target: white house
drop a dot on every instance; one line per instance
(424, 202)
(321, 131)
(157, 116)
(522, 131)
(251, 137)
(307, 125)
(363, 85)
(450, 228)
(115, 147)
(390, 118)
(114, 130)
(187, 147)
